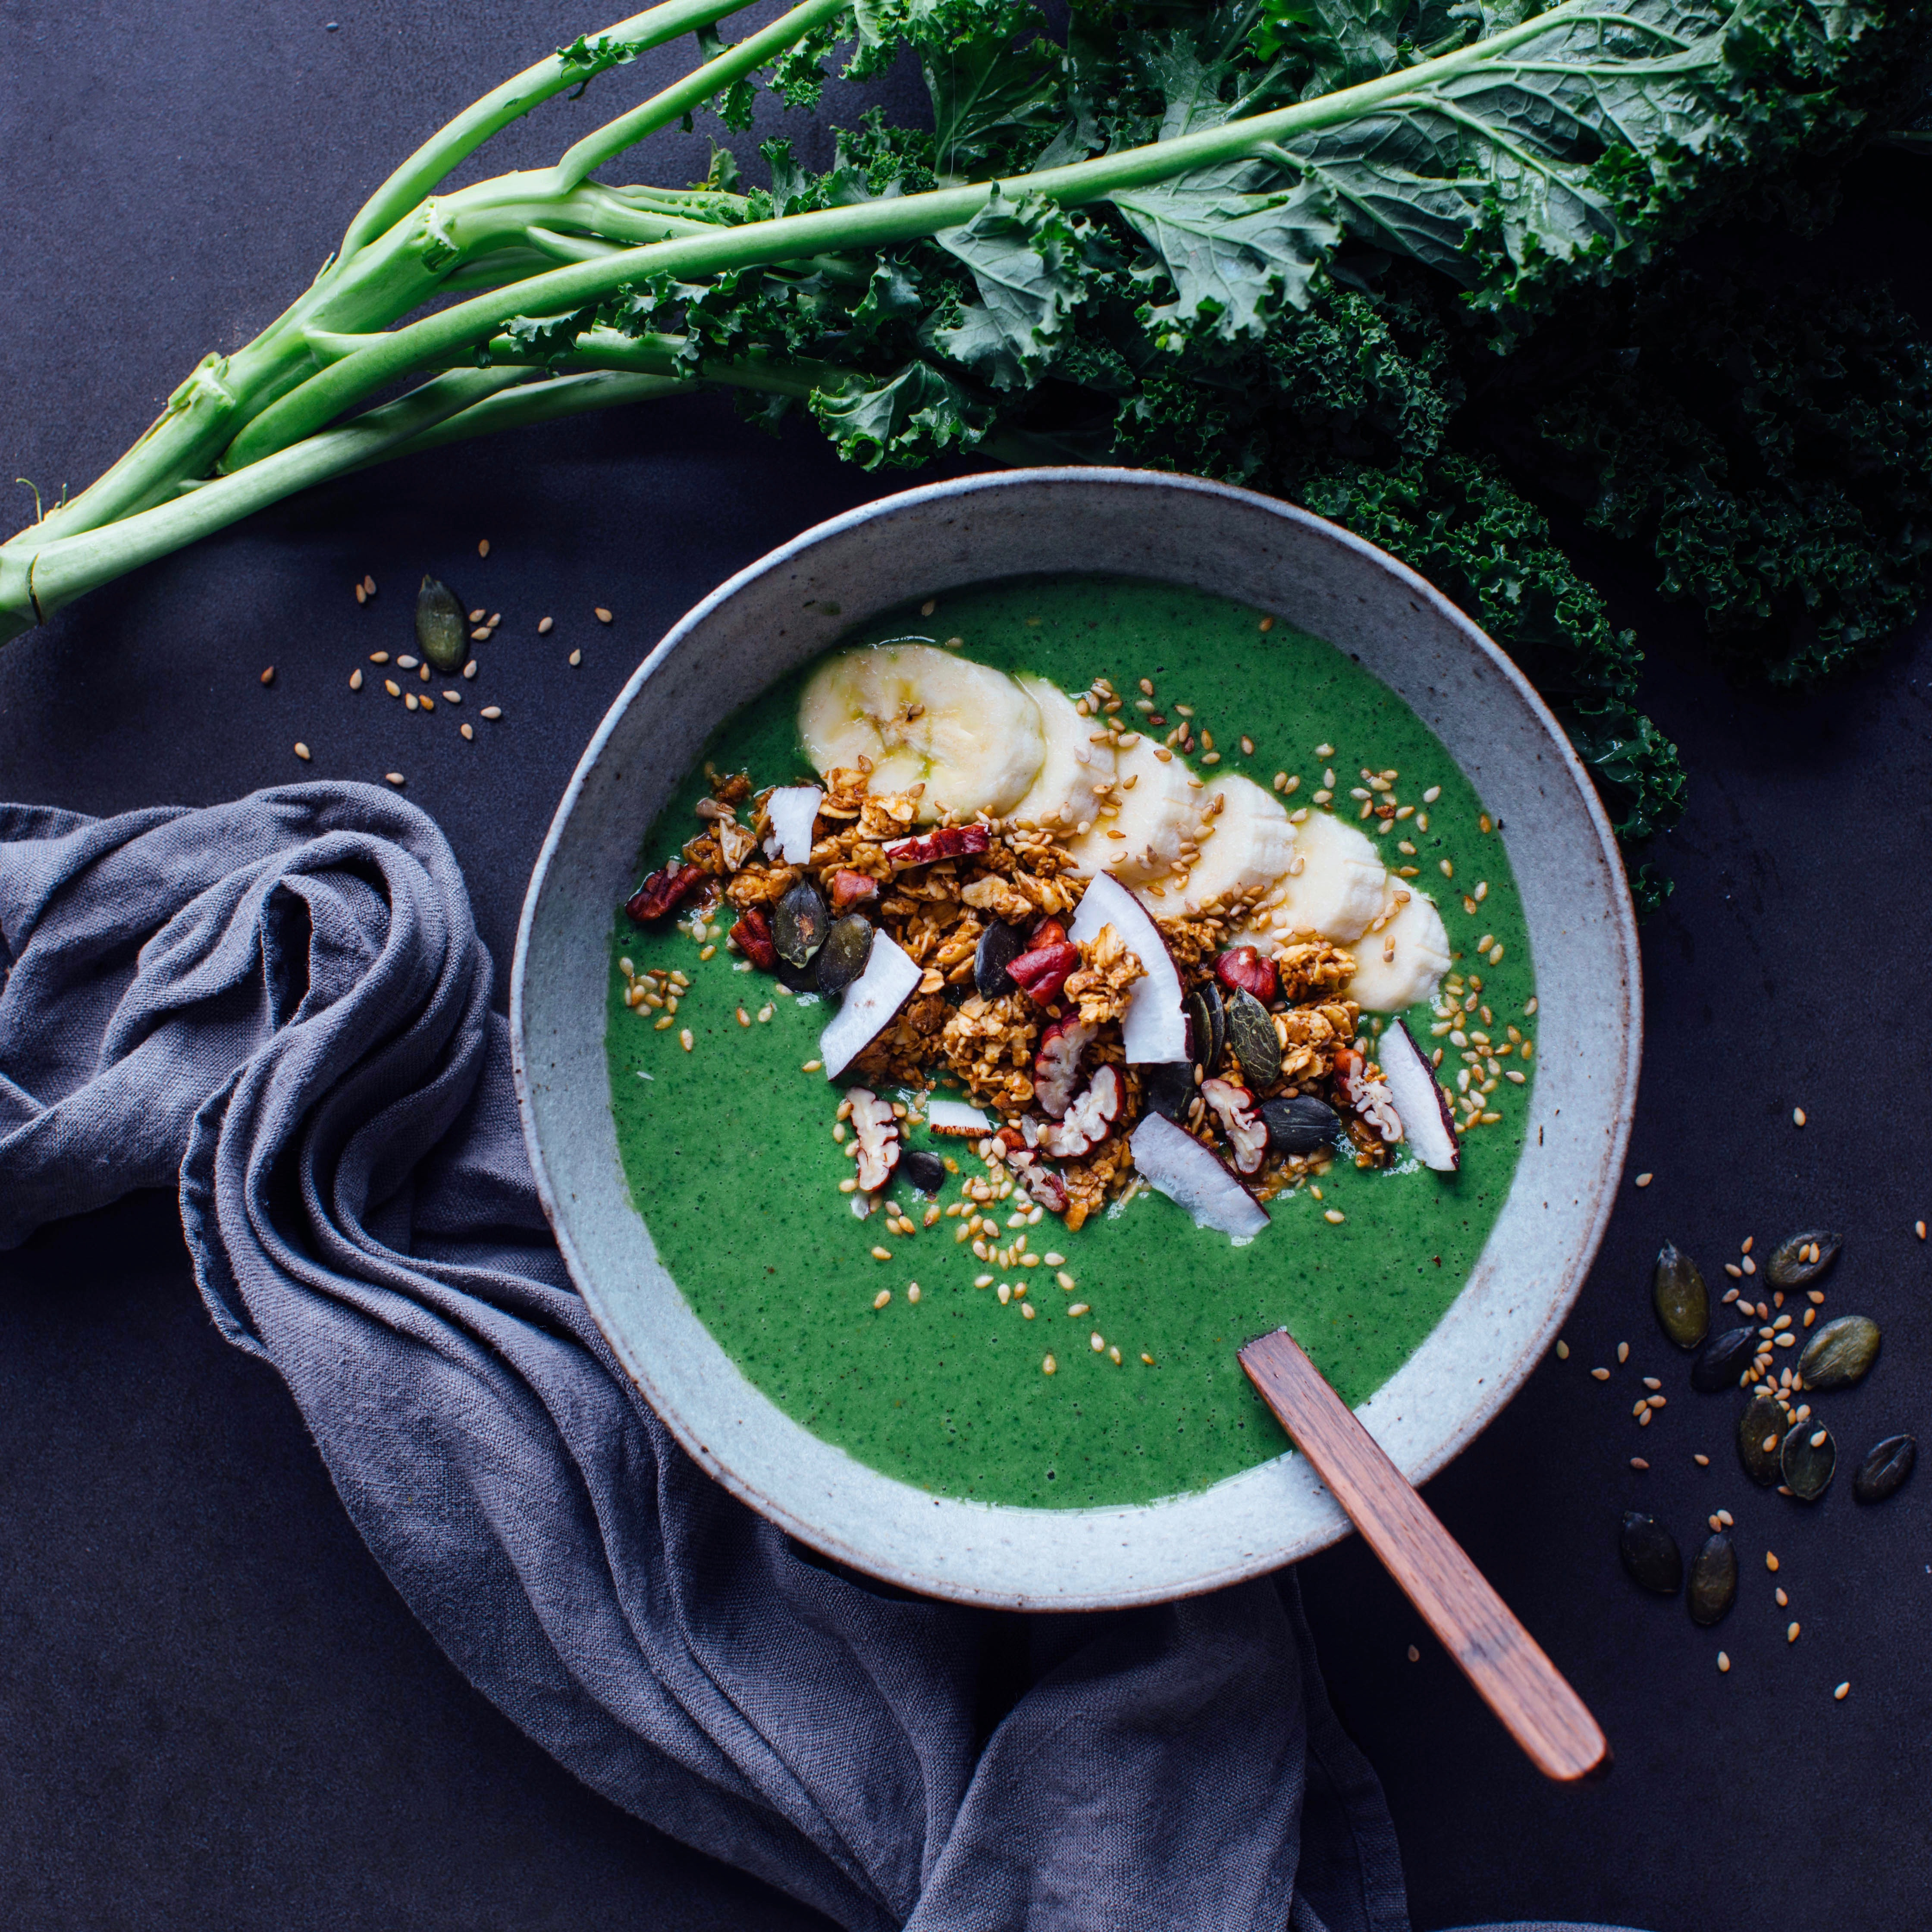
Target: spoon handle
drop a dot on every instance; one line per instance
(1500, 1657)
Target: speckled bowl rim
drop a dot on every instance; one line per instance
(1582, 929)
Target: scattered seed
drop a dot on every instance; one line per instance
(577, 657)
(362, 595)
(355, 678)
(1702, 1461)
(483, 548)
(1791, 1630)
(884, 1295)
(1644, 1180)
(493, 711)
(1600, 1375)
(394, 778)
(268, 675)
(1770, 1562)
(684, 1039)
(301, 751)
(603, 617)
(1334, 1215)
(882, 1254)
(912, 1292)
(1638, 1462)
(1047, 1367)
(394, 689)
(1723, 1662)
(1623, 1352)
(1798, 1116)
(470, 669)
(1919, 1229)
(1563, 1351)
(468, 730)
(1843, 1691)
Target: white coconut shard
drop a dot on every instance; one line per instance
(956, 1117)
(1189, 1175)
(1154, 1026)
(791, 809)
(868, 1006)
(1427, 1124)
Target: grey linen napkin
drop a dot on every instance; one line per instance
(281, 1006)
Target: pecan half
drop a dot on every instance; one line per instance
(662, 892)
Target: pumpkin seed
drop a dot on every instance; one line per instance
(799, 921)
(1207, 1026)
(847, 946)
(1650, 1554)
(1885, 1469)
(1251, 1034)
(1000, 945)
(1760, 1429)
(1790, 1265)
(1808, 1459)
(440, 628)
(1168, 1087)
(926, 1172)
(1678, 1293)
(1302, 1125)
(1840, 1353)
(1713, 1581)
(1722, 1360)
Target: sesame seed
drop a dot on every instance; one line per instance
(268, 675)
(812, 1066)
(1723, 1662)
(483, 548)
(912, 1291)
(355, 678)
(1247, 746)
(1334, 1216)
(1563, 1351)
(369, 587)
(480, 634)
(394, 689)
(1791, 1630)
(1652, 1382)
(1770, 1562)
(394, 778)
(1644, 1180)
(1077, 1308)
(1638, 1462)
(452, 697)
(1919, 1229)
(470, 669)
(1047, 1367)
(931, 605)
(1097, 1341)
(685, 1038)
(882, 1254)
(409, 702)
(602, 616)
(1702, 1461)
(301, 751)
(1798, 1116)
(1448, 869)
(407, 663)
(1623, 1351)
(1324, 751)
(379, 657)
(1600, 1374)
(493, 711)
(362, 595)
(1843, 1691)
(884, 1295)
(476, 616)
(468, 730)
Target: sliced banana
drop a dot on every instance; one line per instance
(1065, 795)
(1159, 813)
(1402, 956)
(924, 716)
(1246, 842)
(1333, 884)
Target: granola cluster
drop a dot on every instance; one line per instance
(1023, 1044)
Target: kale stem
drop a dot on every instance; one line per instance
(694, 91)
(36, 579)
(871, 225)
(432, 162)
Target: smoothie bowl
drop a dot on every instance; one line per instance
(1021, 940)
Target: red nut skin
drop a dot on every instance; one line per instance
(662, 892)
(1011, 1138)
(1048, 932)
(849, 889)
(949, 841)
(752, 936)
(1246, 969)
(1042, 972)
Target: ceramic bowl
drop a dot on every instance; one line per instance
(792, 604)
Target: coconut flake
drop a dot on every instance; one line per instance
(791, 810)
(1189, 1174)
(1153, 1026)
(955, 1117)
(1419, 1100)
(868, 1006)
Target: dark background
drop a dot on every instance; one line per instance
(213, 1709)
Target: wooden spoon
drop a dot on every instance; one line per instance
(1500, 1657)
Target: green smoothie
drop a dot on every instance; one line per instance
(728, 1145)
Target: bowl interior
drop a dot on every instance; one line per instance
(794, 603)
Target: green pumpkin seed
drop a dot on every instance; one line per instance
(1760, 1432)
(440, 625)
(1885, 1469)
(1840, 1353)
(1650, 1554)
(1713, 1581)
(1808, 1458)
(1722, 1360)
(1682, 1302)
(799, 921)
(1791, 1266)
(1251, 1035)
(847, 946)
(1206, 1026)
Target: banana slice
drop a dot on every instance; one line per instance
(924, 716)
(1403, 956)
(1065, 794)
(1245, 842)
(1159, 813)
(1333, 884)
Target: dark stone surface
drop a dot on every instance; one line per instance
(215, 1710)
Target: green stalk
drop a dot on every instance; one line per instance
(872, 226)
(34, 583)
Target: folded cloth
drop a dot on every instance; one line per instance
(281, 1006)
